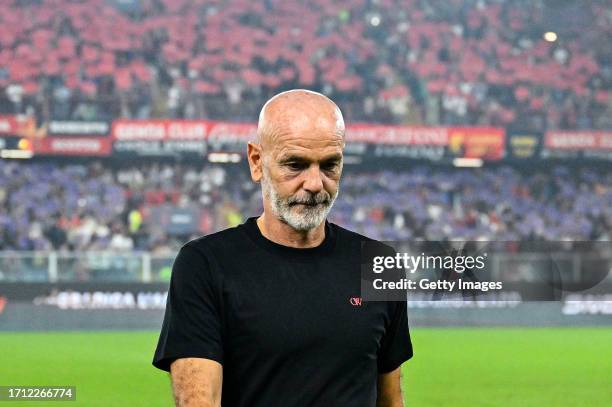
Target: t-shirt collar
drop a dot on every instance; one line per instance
(252, 229)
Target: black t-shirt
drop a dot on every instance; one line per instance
(287, 324)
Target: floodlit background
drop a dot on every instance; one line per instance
(123, 128)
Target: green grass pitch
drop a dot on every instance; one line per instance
(451, 367)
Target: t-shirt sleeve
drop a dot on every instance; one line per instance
(192, 322)
(396, 346)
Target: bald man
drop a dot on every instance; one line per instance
(269, 313)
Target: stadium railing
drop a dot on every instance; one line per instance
(53, 266)
(142, 266)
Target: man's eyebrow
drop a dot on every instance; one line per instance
(292, 158)
(332, 158)
(297, 158)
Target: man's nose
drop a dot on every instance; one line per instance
(314, 181)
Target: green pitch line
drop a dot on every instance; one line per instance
(451, 367)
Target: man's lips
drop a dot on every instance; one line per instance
(307, 204)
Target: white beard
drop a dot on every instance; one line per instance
(299, 217)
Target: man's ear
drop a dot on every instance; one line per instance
(255, 157)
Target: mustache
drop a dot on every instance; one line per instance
(311, 200)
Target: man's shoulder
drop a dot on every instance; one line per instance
(221, 240)
(354, 238)
(348, 234)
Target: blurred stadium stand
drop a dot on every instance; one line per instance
(434, 62)
(151, 88)
(78, 207)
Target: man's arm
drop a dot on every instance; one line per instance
(389, 389)
(196, 382)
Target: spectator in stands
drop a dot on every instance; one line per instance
(47, 206)
(448, 62)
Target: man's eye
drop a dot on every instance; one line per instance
(295, 166)
(329, 166)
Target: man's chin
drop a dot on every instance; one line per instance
(308, 211)
(303, 227)
(305, 221)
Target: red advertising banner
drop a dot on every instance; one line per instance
(8, 125)
(477, 142)
(578, 140)
(230, 137)
(79, 146)
(159, 130)
(222, 131)
(400, 135)
(17, 125)
(77, 128)
(155, 137)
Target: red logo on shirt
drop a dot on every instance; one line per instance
(355, 301)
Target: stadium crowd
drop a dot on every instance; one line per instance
(80, 207)
(478, 62)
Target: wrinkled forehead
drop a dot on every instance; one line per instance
(305, 135)
(325, 124)
(308, 147)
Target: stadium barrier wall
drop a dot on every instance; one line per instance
(140, 306)
(198, 138)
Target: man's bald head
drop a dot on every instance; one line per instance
(299, 108)
(298, 158)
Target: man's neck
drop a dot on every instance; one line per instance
(279, 232)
